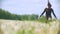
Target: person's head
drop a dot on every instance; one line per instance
(49, 5)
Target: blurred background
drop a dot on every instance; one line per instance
(28, 7)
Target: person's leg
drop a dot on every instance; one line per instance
(46, 19)
(50, 19)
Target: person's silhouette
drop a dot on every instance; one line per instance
(48, 11)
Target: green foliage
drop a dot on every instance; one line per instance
(59, 29)
(21, 32)
(6, 15)
(59, 32)
(32, 30)
(42, 19)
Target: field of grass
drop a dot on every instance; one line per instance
(28, 27)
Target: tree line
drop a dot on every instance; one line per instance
(7, 15)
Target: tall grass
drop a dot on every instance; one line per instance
(28, 27)
(1, 31)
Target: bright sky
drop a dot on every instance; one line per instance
(29, 6)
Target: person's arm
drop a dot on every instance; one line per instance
(43, 12)
(53, 13)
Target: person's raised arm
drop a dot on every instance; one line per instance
(43, 12)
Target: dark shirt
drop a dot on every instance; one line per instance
(48, 12)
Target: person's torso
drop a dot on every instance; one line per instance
(48, 12)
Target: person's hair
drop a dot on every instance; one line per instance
(49, 4)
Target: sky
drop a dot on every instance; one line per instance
(29, 6)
